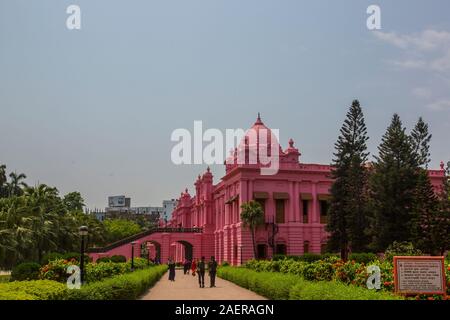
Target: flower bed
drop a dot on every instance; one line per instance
(57, 269)
(279, 286)
(123, 287)
(126, 286)
(334, 269)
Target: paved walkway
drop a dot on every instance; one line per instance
(186, 287)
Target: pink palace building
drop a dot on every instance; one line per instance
(207, 223)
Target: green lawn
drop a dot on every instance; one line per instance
(4, 278)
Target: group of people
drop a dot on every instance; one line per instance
(197, 268)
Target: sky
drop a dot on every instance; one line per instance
(92, 110)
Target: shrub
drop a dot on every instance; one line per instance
(76, 256)
(278, 286)
(350, 272)
(225, 264)
(103, 259)
(310, 257)
(319, 270)
(25, 271)
(335, 291)
(122, 287)
(365, 258)
(268, 284)
(127, 286)
(401, 249)
(277, 257)
(118, 258)
(5, 278)
(56, 270)
(33, 290)
(50, 257)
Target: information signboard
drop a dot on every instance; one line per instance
(419, 275)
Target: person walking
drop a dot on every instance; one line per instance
(171, 264)
(212, 268)
(194, 267)
(201, 268)
(188, 267)
(185, 266)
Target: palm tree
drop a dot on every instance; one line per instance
(252, 216)
(16, 185)
(3, 180)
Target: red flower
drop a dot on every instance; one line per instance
(430, 298)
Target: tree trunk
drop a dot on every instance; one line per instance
(344, 252)
(254, 242)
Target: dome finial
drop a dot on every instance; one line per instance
(291, 143)
(258, 120)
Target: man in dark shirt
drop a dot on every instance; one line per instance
(212, 267)
(201, 267)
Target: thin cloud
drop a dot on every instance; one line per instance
(439, 105)
(422, 92)
(427, 50)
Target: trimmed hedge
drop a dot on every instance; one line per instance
(33, 290)
(278, 286)
(25, 271)
(268, 284)
(5, 278)
(307, 257)
(123, 287)
(115, 258)
(365, 258)
(331, 290)
(51, 256)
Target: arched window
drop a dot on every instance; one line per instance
(261, 251)
(306, 247)
(281, 248)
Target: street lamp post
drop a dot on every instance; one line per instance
(83, 230)
(132, 255)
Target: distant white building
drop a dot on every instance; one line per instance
(119, 202)
(147, 210)
(168, 207)
(122, 205)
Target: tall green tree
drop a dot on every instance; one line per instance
(425, 210)
(441, 230)
(393, 187)
(3, 180)
(347, 216)
(16, 184)
(425, 205)
(74, 201)
(117, 229)
(420, 142)
(252, 216)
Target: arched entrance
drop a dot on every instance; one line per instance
(152, 250)
(188, 249)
